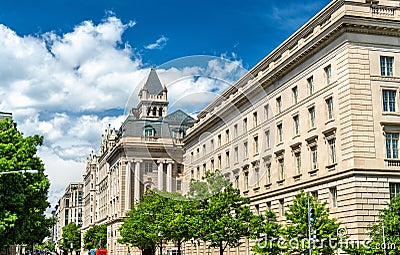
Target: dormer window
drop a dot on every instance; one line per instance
(149, 131)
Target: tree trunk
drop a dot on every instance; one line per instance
(179, 247)
(221, 248)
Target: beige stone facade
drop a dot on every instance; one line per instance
(319, 113)
(146, 152)
(69, 209)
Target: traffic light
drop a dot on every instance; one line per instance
(312, 215)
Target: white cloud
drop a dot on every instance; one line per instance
(159, 44)
(62, 86)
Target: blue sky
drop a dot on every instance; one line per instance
(68, 69)
(249, 29)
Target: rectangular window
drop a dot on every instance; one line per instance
(266, 112)
(237, 181)
(227, 159)
(267, 140)
(295, 94)
(192, 156)
(314, 158)
(314, 194)
(257, 208)
(178, 185)
(278, 104)
(148, 168)
(310, 83)
(268, 166)
(204, 150)
(268, 205)
(236, 151)
(281, 169)
(279, 132)
(389, 100)
(394, 189)
(246, 181)
(227, 135)
(281, 208)
(296, 125)
(328, 74)
(311, 112)
(297, 162)
(257, 176)
(256, 145)
(329, 108)
(212, 144)
(219, 141)
(198, 173)
(386, 66)
(332, 150)
(235, 131)
(219, 162)
(245, 151)
(392, 145)
(244, 125)
(333, 192)
(255, 119)
(212, 165)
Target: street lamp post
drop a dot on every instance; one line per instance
(29, 171)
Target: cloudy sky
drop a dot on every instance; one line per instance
(68, 69)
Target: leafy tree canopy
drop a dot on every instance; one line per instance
(71, 234)
(23, 196)
(95, 237)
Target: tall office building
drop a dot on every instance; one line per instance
(69, 209)
(320, 113)
(144, 153)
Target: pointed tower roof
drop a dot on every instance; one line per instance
(153, 84)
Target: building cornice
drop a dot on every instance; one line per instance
(266, 74)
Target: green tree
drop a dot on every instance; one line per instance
(142, 227)
(71, 234)
(23, 196)
(296, 230)
(179, 222)
(225, 217)
(270, 231)
(95, 237)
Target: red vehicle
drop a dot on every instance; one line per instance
(101, 252)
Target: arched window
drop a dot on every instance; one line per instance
(148, 111)
(149, 131)
(154, 111)
(160, 112)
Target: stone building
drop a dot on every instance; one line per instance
(69, 209)
(145, 152)
(319, 113)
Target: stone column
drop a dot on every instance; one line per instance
(169, 177)
(137, 181)
(160, 175)
(128, 186)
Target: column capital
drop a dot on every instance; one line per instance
(160, 161)
(138, 161)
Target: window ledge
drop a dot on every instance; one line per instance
(312, 129)
(296, 136)
(280, 182)
(331, 167)
(245, 192)
(268, 185)
(313, 172)
(391, 113)
(297, 177)
(256, 188)
(329, 121)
